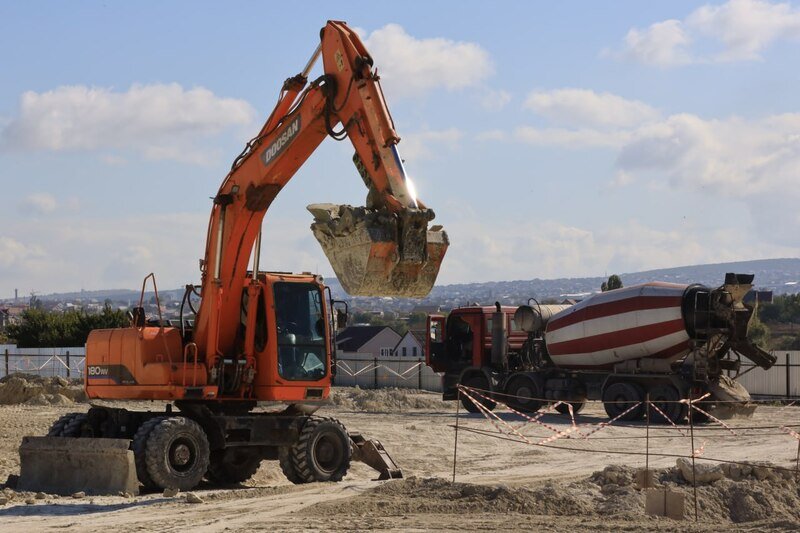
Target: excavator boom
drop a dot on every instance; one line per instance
(383, 249)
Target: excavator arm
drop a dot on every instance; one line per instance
(383, 249)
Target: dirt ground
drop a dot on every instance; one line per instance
(579, 484)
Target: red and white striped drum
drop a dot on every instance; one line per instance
(629, 323)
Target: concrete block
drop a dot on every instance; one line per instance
(665, 502)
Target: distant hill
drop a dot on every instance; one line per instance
(779, 275)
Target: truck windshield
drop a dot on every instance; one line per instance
(300, 331)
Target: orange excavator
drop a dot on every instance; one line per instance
(256, 335)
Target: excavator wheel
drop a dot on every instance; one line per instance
(176, 453)
(478, 381)
(232, 466)
(57, 429)
(287, 467)
(322, 452)
(138, 445)
(619, 397)
(75, 427)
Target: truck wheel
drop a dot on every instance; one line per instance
(177, 453)
(479, 382)
(577, 407)
(287, 467)
(57, 429)
(522, 393)
(232, 465)
(619, 397)
(322, 452)
(138, 445)
(666, 398)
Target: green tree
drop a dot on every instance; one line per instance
(613, 283)
(39, 328)
(759, 333)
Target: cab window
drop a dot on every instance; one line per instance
(300, 327)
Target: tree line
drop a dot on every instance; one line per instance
(39, 328)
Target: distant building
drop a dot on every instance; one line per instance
(427, 309)
(374, 341)
(411, 345)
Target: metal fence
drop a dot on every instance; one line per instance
(370, 372)
(780, 381)
(47, 362)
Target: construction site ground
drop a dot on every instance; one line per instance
(500, 485)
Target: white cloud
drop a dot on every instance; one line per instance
(557, 250)
(571, 138)
(39, 203)
(492, 135)
(740, 29)
(428, 143)
(754, 161)
(583, 107)
(745, 27)
(495, 99)
(662, 44)
(411, 66)
(14, 255)
(159, 120)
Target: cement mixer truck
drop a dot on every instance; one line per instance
(664, 341)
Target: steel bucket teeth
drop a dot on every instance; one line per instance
(378, 253)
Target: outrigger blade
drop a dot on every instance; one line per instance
(372, 453)
(63, 465)
(375, 252)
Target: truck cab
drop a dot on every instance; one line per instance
(461, 342)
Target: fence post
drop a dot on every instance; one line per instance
(788, 379)
(6, 361)
(375, 373)
(419, 374)
(68, 372)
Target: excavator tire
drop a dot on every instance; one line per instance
(177, 453)
(478, 381)
(232, 466)
(322, 451)
(285, 460)
(74, 428)
(138, 445)
(57, 429)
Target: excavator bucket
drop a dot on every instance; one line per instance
(372, 453)
(62, 465)
(378, 253)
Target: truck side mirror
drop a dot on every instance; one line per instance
(341, 319)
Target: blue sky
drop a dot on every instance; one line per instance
(551, 138)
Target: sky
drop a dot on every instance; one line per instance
(552, 139)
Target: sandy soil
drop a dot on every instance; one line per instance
(501, 485)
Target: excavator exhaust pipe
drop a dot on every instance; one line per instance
(62, 465)
(375, 252)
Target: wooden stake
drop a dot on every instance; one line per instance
(694, 472)
(455, 443)
(647, 445)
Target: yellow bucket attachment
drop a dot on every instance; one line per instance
(375, 252)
